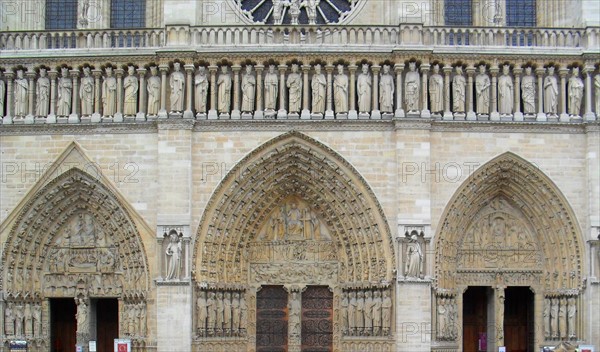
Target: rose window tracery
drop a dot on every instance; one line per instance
(297, 11)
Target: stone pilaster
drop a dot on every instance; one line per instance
(74, 117)
(235, 112)
(141, 115)
(518, 115)
(282, 113)
(305, 115)
(212, 113)
(470, 97)
(447, 112)
(96, 116)
(329, 101)
(399, 69)
(29, 118)
(52, 116)
(119, 111)
(589, 115)
(375, 113)
(424, 89)
(562, 72)
(189, 87)
(541, 116)
(494, 114)
(258, 114)
(352, 114)
(162, 112)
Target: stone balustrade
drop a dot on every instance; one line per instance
(327, 37)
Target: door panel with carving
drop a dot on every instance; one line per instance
(272, 319)
(317, 319)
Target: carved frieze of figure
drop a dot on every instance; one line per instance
(19, 315)
(153, 88)
(554, 317)
(37, 320)
(271, 89)
(528, 88)
(575, 92)
(546, 316)
(412, 87)
(572, 317)
(173, 256)
(295, 309)
(295, 223)
(2, 93)
(109, 93)
(28, 319)
(386, 312)
(344, 304)
(352, 308)
(82, 317)
(360, 313)
(436, 90)
(131, 86)
(459, 89)
(86, 93)
(235, 312)
(550, 92)
(482, 89)
(65, 89)
(177, 84)
(562, 318)
(227, 312)
(243, 312)
(248, 90)
(363, 89)
(200, 90)
(505, 92)
(202, 312)
(414, 255)
(43, 94)
(318, 86)
(442, 317)
(220, 308)
(294, 84)
(142, 319)
(9, 320)
(21, 91)
(224, 90)
(386, 91)
(596, 86)
(211, 313)
(500, 316)
(377, 305)
(368, 313)
(340, 91)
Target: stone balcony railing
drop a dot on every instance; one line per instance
(333, 37)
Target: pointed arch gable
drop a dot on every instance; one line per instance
(528, 194)
(293, 164)
(65, 202)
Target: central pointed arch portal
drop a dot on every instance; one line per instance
(295, 249)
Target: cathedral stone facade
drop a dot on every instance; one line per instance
(334, 175)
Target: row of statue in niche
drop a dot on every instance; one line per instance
(221, 313)
(560, 315)
(111, 92)
(23, 319)
(366, 312)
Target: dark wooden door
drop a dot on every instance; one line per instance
(63, 326)
(317, 319)
(518, 319)
(474, 317)
(272, 319)
(107, 324)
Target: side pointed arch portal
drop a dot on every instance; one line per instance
(509, 228)
(73, 239)
(295, 213)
